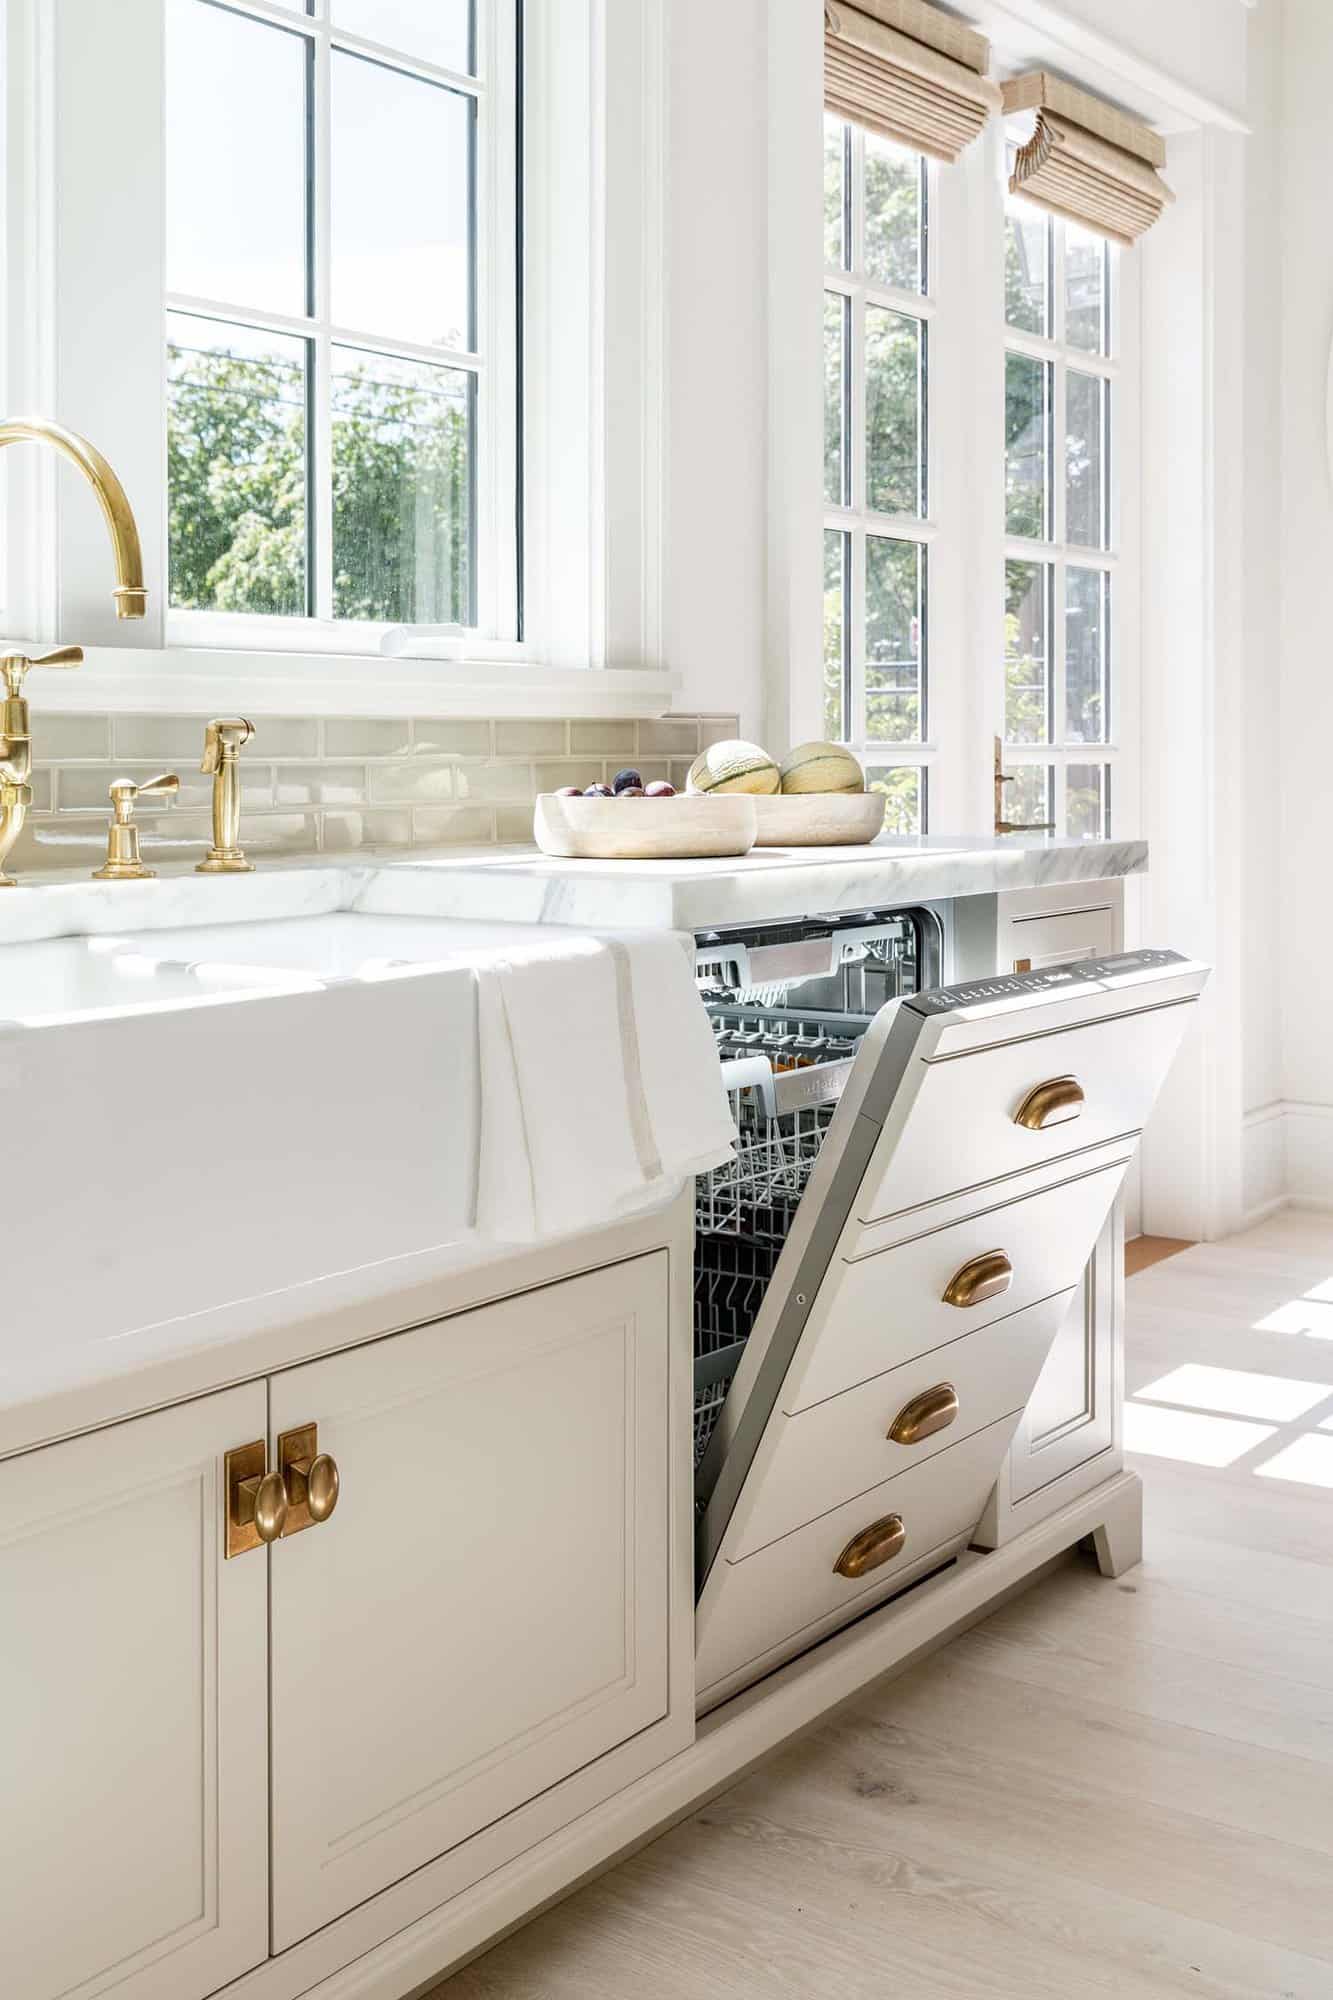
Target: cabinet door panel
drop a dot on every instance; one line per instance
(133, 1714)
(486, 1610)
(1071, 1416)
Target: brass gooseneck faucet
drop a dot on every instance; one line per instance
(131, 601)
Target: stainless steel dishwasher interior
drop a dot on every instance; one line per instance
(789, 1004)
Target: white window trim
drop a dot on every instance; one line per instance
(593, 543)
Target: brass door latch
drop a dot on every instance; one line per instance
(264, 1507)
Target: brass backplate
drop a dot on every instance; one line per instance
(299, 1444)
(246, 1462)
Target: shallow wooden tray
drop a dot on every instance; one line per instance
(819, 819)
(687, 827)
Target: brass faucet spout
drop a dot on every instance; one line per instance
(130, 596)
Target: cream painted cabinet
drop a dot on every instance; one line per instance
(1068, 1438)
(133, 1714)
(486, 1610)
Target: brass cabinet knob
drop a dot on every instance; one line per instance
(984, 1277)
(262, 1503)
(877, 1544)
(315, 1482)
(1057, 1102)
(933, 1410)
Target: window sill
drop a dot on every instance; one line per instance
(189, 680)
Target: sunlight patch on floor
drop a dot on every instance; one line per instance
(1307, 1460)
(1236, 1392)
(1186, 1435)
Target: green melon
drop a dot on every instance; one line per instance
(821, 767)
(734, 767)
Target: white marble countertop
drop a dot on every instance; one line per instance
(519, 885)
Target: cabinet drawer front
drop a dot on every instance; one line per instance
(773, 1597)
(874, 1312)
(812, 1462)
(487, 1610)
(977, 1117)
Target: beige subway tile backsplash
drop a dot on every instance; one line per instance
(334, 786)
(58, 738)
(371, 738)
(598, 738)
(531, 739)
(451, 739)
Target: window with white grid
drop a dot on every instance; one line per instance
(1062, 441)
(878, 305)
(341, 339)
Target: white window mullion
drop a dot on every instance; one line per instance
(321, 354)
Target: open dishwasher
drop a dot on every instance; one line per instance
(919, 1176)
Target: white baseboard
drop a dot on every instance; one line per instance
(1287, 1157)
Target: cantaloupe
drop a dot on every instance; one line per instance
(821, 767)
(734, 767)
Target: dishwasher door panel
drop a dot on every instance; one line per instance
(961, 1285)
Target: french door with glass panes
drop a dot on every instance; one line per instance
(980, 417)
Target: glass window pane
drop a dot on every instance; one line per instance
(1087, 460)
(1027, 430)
(837, 322)
(1088, 801)
(401, 204)
(836, 133)
(235, 159)
(895, 633)
(236, 471)
(1029, 797)
(895, 215)
(1087, 655)
(835, 635)
(438, 31)
(904, 789)
(1027, 655)
(1087, 290)
(403, 474)
(895, 412)
(1027, 270)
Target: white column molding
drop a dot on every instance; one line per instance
(1193, 605)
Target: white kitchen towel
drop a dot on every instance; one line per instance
(597, 1088)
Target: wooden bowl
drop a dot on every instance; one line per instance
(687, 827)
(819, 819)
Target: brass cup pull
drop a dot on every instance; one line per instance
(262, 1503)
(1058, 1102)
(933, 1410)
(985, 1277)
(314, 1483)
(879, 1543)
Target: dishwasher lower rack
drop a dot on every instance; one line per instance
(743, 1212)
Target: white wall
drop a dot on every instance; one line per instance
(1306, 581)
(716, 343)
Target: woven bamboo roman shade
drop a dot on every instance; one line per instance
(1086, 160)
(905, 70)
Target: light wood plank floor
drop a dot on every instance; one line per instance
(1120, 1789)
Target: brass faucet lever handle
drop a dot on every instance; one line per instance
(123, 862)
(14, 666)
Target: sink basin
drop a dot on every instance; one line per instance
(70, 979)
(343, 945)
